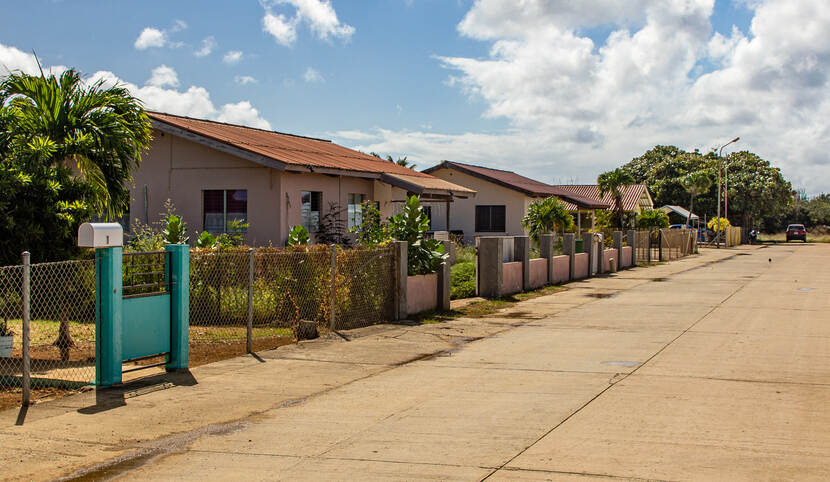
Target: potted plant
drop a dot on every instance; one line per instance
(6, 340)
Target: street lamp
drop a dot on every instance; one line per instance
(720, 151)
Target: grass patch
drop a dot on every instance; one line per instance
(479, 309)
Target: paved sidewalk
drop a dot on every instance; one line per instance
(713, 366)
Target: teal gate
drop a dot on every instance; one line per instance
(142, 309)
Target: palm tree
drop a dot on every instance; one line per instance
(615, 182)
(100, 130)
(402, 161)
(696, 183)
(545, 216)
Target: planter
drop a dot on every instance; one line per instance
(6, 343)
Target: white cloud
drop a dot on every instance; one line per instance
(584, 107)
(284, 31)
(163, 76)
(178, 26)
(245, 80)
(232, 57)
(313, 77)
(159, 93)
(208, 44)
(242, 113)
(150, 37)
(318, 14)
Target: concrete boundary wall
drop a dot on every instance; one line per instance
(421, 293)
(627, 252)
(512, 278)
(581, 261)
(607, 256)
(561, 269)
(538, 272)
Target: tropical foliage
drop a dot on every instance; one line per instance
(425, 254)
(718, 224)
(67, 153)
(615, 182)
(653, 219)
(546, 216)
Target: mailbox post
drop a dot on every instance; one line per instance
(107, 239)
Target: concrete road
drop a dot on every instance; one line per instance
(711, 367)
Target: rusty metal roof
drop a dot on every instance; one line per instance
(517, 182)
(293, 151)
(631, 196)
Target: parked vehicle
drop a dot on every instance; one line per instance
(796, 231)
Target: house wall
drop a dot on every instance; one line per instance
(333, 189)
(179, 169)
(462, 211)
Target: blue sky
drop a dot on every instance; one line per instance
(507, 84)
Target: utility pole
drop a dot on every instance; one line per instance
(720, 160)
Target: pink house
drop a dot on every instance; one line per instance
(215, 173)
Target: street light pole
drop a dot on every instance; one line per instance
(720, 159)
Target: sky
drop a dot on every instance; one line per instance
(556, 90)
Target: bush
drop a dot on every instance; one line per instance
(463, 280)
(465, 254)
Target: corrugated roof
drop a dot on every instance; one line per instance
(289, 149)
(429, 185)
(631, 196)
(523, 184)
(683, 212)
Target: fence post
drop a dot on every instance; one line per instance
(649, 256)
(249, 335)
(588, 247)
(179, 307)
(660, 245)
(491, 266)
(546, 251)
(632, 241)
(108, 323)
(618, 238)
(444, 279)
(26, 340)
(333, 287)
(569, 249)
(401, 272)
(521, 252)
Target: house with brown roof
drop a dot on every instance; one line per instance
(502, 198)
(216, 173)
(636, 197)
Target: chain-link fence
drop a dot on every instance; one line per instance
(240, 300)
(61, 324)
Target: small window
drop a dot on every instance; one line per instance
(490, 219)
(428, 213)
(355, 207)
(311, 202)
(222, 206)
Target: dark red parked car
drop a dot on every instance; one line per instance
(796, 231)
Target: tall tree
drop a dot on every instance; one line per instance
(615, 182)
(696, 183)
(99, 130)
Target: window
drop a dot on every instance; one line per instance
(221, 206)
(311, 201)
(490, 219)
(428, 213)
(355, 206)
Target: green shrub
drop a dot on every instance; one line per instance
(463, 280)
(465, 254)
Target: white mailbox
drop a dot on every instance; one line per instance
(100, 235)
